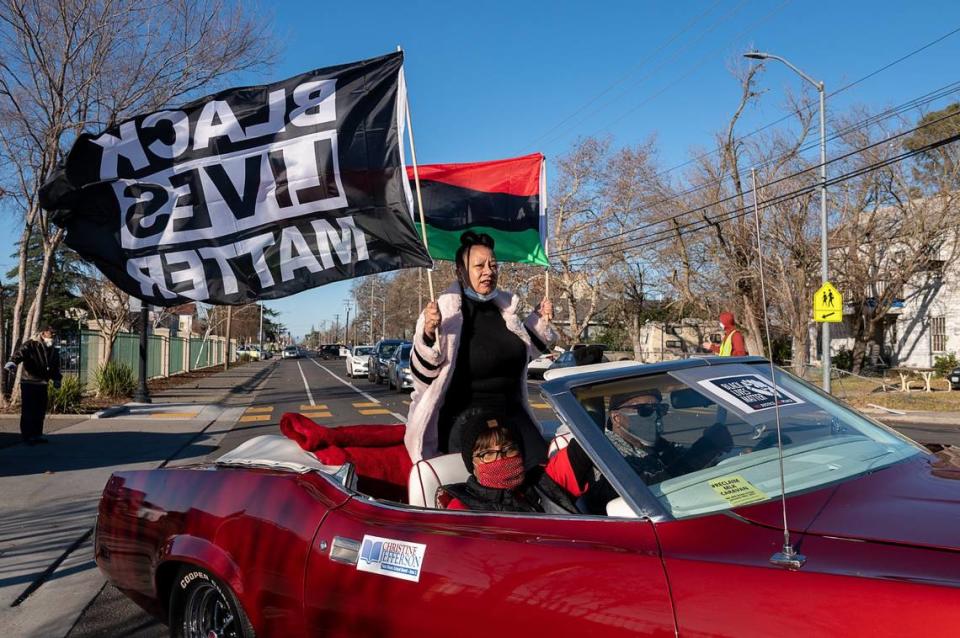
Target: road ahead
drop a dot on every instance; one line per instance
(321, 389)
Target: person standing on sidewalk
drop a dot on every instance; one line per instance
(41, 364)
(732, 344)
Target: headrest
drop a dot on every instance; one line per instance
(428, 475)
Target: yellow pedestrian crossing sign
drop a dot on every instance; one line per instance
(828, 304)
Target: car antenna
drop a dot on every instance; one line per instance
(787, 556)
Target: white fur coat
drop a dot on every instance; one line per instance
(440, 359)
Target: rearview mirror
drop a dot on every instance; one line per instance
(688, 398)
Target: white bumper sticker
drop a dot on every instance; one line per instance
(389, 557)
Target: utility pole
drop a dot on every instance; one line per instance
(261, 331)
(142, 395)
(336, 327)
(372, 308)
(346, 325)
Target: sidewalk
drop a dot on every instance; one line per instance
(915, 416)
(50, 494)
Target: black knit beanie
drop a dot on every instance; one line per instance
(474, 421)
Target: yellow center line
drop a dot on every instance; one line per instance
(378, 411)
(263, 408)
(255, 417)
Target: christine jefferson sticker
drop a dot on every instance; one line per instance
(389, 557)
(737, 490)
(749, 392)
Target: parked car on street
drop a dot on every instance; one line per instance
(357, 361)
(378, 360)
(687, 540)
(398, 369)
(955, 379)
(331, 351)
(538, 366)
(291, 352)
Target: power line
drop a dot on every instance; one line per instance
(677, 79)
(604, 241)
(923, 100)
(809, 104)
(629, 74)
(696, 225)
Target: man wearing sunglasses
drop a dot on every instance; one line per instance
(636, 429)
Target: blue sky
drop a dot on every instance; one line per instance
(496, 79)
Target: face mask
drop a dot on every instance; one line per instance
(48, 341)
(502, 474)
(476, 296)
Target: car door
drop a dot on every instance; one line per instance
(475, 574)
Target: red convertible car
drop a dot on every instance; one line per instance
(689, 542)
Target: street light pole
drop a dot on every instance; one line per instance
(824, 268)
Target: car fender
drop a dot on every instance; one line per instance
(185, 548)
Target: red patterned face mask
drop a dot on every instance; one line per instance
(503, 474)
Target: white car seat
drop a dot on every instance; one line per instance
(560, 440)
(428, 475)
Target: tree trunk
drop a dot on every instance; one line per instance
(634, 329)
(36, 308)
(754, 337)
(15, 323)
(798, 349)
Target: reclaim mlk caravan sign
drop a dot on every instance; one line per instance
(252, 193)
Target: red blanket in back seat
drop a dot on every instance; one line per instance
(376, 451)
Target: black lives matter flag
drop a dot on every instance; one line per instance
(252, 193)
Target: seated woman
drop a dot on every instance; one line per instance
(492, 449)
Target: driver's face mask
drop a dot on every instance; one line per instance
(644, 421)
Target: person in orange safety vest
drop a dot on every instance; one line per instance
(732, 344)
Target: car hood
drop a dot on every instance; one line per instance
(915, 502)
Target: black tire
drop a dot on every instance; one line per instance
(200, 605)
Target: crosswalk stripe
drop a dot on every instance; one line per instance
(366, 405)
(313, 407)
(254, 417)
(262, 408)
(376, 411)
(540, 406)
(317, 415)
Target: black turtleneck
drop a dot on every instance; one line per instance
(489, 367)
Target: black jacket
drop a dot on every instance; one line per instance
(41, 363)
(539, 493)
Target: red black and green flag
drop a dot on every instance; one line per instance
(504, 198)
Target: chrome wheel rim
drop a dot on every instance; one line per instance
(207, 614)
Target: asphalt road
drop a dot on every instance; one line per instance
(321, 389)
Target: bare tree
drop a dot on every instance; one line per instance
(897, 230)
(76, 65)
(578, 216)
(109, 305)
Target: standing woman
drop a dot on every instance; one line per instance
(41, 363)
(470, 349)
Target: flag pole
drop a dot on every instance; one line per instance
(546, 239)
(416, 180)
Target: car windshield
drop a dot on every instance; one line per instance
(704, 439)
(362, 351)
(405, 352)
(387, 349)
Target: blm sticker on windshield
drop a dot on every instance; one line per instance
(389, 557)
(737, 490)
(749, 392)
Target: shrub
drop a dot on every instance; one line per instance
(68, 398)
(115, 380)
(945, 364)
(843, 359)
